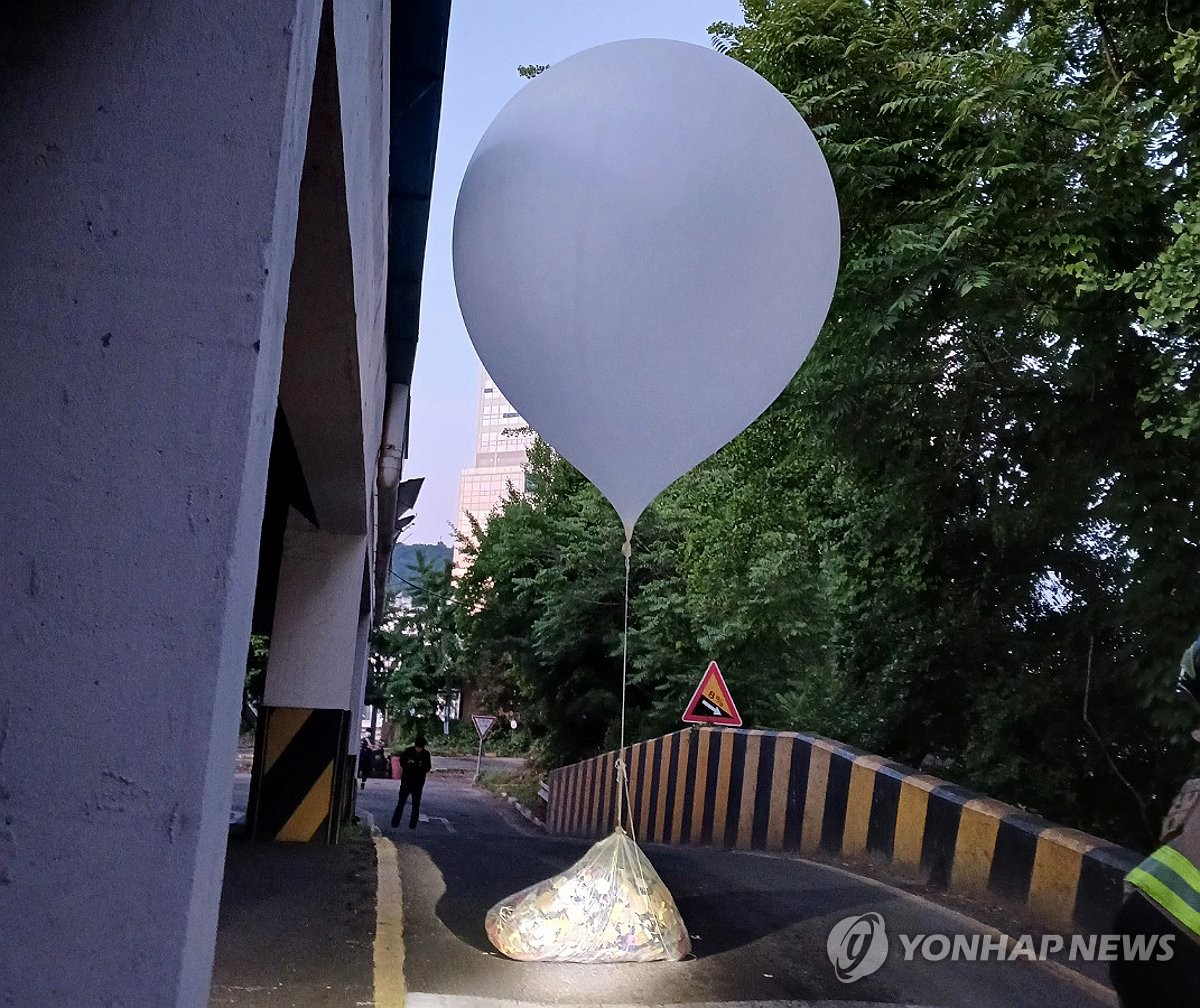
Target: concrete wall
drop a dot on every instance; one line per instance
(334, 380)
(151, 158)
(798, 793)
(314, 640)
(361, 29)
(332, 393)
(333, 389)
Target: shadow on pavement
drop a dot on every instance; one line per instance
(741, 904)
(297, 925)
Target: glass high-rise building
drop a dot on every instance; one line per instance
(502, 440)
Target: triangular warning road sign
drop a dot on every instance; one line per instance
(483, 723)
(711, 703)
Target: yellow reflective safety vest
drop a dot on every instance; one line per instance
(1170, 877)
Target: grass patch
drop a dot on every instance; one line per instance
(355, 831)
(462, 740)
(523, 786)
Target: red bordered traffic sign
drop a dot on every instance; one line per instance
(712, 703)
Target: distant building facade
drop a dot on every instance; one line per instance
(502, 441)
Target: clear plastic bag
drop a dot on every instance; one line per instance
(608, 907)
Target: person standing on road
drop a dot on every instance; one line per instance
(414, 765)
(366, 759)
(1164, 893)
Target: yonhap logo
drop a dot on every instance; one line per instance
(857, 946)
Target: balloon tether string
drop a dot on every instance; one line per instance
(622, 773)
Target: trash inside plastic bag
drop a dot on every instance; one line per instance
(608, 907)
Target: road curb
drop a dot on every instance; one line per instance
(797, 792)
(390, 989)
(369, 822)
(525, 812)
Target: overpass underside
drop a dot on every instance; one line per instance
(205, 361)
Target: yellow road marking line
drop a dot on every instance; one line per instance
(389, 928)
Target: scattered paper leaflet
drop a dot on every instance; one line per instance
(608, 907)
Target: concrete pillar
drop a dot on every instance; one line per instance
(331, 394)
(357, 697)
(359, 691)
(150, 161)
(299, 768)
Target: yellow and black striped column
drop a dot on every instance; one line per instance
(296, 791)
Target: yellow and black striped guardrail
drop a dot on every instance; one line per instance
(800, 793)
(296, 797)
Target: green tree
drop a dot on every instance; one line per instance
(979, 397)
(257, 654)
(541, 606)
(415, 652)
(968, 530)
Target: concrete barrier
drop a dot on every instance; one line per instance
(799, 793)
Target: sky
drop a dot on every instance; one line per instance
(489, 39)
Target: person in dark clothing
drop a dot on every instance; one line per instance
(414, 765)
(366, 757)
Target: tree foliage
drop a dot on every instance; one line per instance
(414, 654)
(968, 530)
(406, 558)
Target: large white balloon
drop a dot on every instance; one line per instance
(645, 247)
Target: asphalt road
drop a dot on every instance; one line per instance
(450, 765)
(759, 924)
